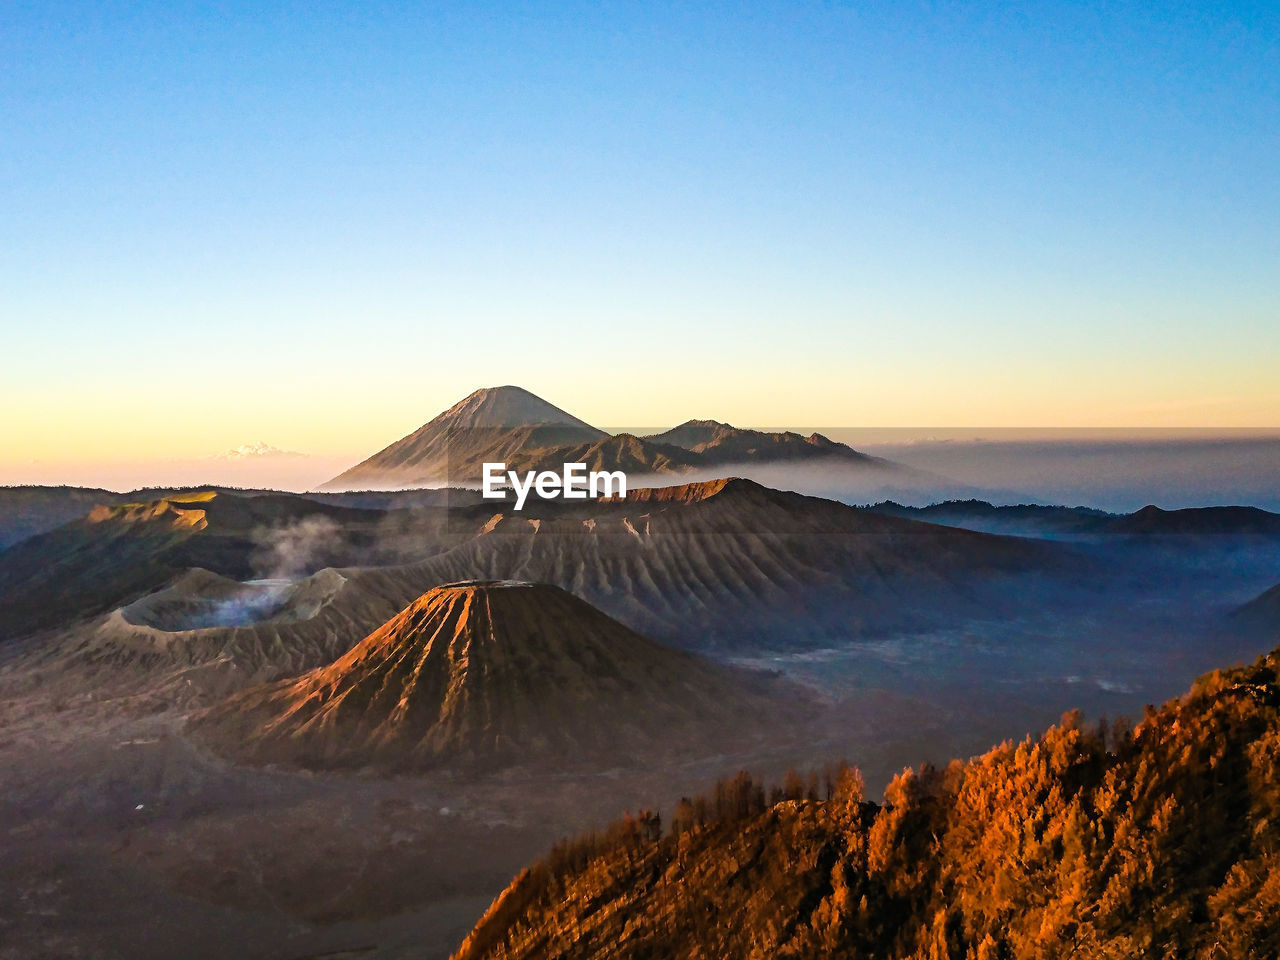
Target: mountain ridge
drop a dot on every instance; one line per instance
(511, 425)
(725, 562)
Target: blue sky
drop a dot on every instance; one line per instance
(322, 223)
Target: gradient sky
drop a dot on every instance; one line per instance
(320, 224)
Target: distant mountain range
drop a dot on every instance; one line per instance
(1035, 520)
(509, 424)
(256, 451)
(1026, 520)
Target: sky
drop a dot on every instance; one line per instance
(317, 225)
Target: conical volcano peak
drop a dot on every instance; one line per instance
(484, 672)
(505, 408)
(494, 424)
(487, 584)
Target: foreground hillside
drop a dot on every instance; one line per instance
(1157, 841)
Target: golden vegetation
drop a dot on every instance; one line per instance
(1160, 840)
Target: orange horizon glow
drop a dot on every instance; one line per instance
(129, 426)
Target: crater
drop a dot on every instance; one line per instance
(201, 600)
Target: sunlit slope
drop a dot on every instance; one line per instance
(478, 674)
(1162, 841)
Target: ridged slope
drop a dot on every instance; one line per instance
(484, 674)
(732, 564)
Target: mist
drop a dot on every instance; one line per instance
(1117, 475)
(288, 552)
(283, 555)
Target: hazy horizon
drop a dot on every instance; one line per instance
(1115, 469)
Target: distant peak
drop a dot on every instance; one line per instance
(507, 407)
(498, 391)
(256, 451)
(709, 423)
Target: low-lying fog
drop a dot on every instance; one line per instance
(1158, 618)
(1121, 474)
(1118, 471)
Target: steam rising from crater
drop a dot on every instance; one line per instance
(289, 552)
(284, 554)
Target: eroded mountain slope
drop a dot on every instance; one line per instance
(484, 674)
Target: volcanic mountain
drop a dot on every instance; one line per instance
(733, 564)
(499, 424)
(512, 426)
(725, 564)
(113, 554)
(484, 673)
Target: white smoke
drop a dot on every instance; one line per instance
(289, 552)
(246, 609)
(284, 554)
